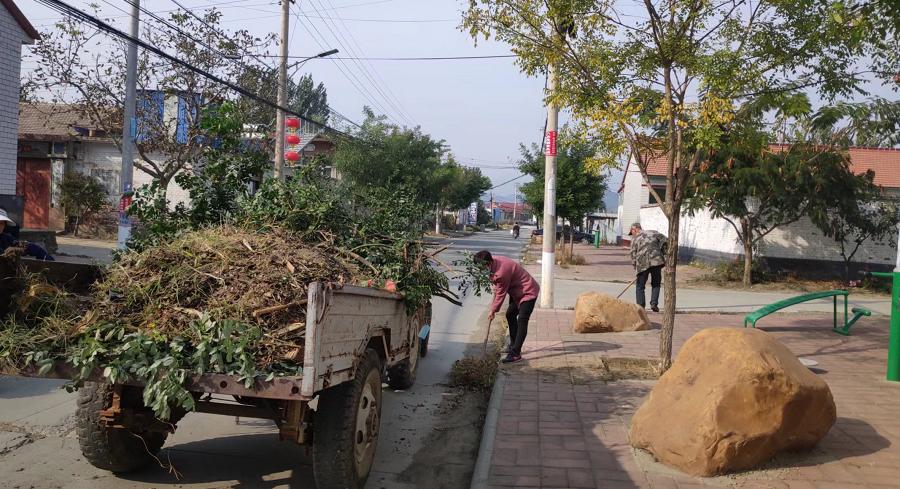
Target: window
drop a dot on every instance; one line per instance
(661, 190)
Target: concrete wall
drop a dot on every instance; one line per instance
(104, 161)
(631, 197)
(709, 239)
(11, 38)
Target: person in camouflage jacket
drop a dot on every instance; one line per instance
(648, 258)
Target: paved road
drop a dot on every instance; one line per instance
(38, 448)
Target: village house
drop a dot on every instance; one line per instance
(509, 212)
(56, 139)
(15, 30)
(798, 246)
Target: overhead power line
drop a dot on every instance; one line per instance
(78, 14)
(389, 94)
(411, 58)
(316, 35)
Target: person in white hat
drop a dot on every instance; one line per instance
(7, 239)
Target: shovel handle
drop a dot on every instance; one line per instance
(626, 287)
(487, 336)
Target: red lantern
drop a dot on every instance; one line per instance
(292, 139)
(292, 122)
(291, 156)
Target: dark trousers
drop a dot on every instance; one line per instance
(655, 274)
(517, 315)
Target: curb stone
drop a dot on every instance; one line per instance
(488, 433)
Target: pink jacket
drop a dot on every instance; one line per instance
(509, 277)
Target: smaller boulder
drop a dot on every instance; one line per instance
(600, 313)
(732, 399)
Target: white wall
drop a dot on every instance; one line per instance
(103, 160)
(11, 38)
(630, 199)
(802, 240)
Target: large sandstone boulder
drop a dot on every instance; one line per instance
(732, 399)
(600, 313)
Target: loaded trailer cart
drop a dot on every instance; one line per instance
(354, 337)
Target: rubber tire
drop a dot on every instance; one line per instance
(334, 429)
(113, 449)
(402, 376)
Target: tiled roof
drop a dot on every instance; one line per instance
(21, 19)
(885, 162)
(52, 121)
(508, 206)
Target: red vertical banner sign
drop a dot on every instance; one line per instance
(550, 143)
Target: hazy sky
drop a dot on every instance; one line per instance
(482, 108)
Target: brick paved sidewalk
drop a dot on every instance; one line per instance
(561, 427)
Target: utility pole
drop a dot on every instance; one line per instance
(515, 201)
(126, 174)
(548, 256)
(282, 91)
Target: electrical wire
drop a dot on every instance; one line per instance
(343, 68)
(387, 87)
(346, 46)
(78, 14)
(412, 58)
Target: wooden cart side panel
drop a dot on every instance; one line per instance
(314, 304)
(351, 317)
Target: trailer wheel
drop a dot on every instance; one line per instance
(108, 448)
(403, 374)
(346, 428)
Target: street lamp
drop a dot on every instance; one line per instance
(320, 55)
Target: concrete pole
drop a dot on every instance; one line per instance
(282, 91)
(548, 256)
(126, 175)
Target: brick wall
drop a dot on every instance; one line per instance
(11, 38)
(709, 239)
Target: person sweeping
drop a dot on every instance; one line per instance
(510, 278)
(648, 258)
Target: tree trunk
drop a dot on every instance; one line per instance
(748, 252)
(571, 240)
(437, 219)
(668, 325)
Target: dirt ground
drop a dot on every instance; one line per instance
(447, 459)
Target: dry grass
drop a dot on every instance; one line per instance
(225, 272)
(476, 372)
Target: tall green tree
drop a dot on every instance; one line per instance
(304, 96)
(383, 155)
(668, 77)
(758, 189)
(579, 186)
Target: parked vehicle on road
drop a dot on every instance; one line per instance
(353, 336)
(579, 236)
